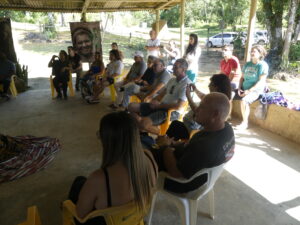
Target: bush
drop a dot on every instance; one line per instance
(294, 54)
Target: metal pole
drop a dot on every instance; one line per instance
(182, 27)
(251, 25)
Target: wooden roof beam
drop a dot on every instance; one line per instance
(85, 6)
(163, 5)
(130, 1)
(33, 3)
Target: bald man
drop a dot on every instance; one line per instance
(210, 147)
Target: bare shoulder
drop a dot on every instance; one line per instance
(96, 178)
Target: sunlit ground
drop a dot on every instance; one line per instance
(254, 164)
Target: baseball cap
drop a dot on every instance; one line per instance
(138, 53)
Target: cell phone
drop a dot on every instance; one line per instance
(191, 88)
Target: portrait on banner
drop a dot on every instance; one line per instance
(86, 39)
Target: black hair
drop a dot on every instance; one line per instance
(116, 53)
(222, 84)
(192, 47)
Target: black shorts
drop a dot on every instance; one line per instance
(157, 116)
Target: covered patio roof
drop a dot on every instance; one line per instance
(87, 6)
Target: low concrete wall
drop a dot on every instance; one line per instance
(279, 120)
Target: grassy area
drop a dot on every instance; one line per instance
(129, 46)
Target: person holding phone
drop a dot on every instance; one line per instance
(61, 71)
(252, 82)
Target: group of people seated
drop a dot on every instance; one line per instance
(203, 140)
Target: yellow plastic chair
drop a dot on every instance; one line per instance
(112, 86)
(70, 86)
(12, 86)
(135, 98)
(127, 214)
(33, 217)
(165, 125)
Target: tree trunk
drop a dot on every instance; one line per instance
(274, 14)
(6, 40)
(289, 32)
(297, 32)
(63, 23)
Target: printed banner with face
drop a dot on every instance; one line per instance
(86, 39)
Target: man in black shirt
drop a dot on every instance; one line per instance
(208, 148)
(76, 65)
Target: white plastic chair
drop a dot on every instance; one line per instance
(187, 203)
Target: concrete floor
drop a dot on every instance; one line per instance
(260, 185)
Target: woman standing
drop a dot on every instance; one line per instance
(128, 173)
(252, 82)
(192, 55)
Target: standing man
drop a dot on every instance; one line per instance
(230, 66)
(76, 65)
(153, 45)
(7, 69)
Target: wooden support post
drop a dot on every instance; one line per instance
(182, 27)
(83, 17)
(251, 25)
(157, 22)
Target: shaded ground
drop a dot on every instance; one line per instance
(260, 185)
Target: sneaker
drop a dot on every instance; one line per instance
(58, 97)
(93, 101)
(66, 97)
(242, 126)
(88, 97)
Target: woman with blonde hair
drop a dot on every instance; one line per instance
(128, 173)
(252, 82)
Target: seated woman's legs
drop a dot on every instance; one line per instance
(56, 83)
(245, 108)
(99, 87)
(64, 85)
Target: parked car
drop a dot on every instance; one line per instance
(260, 38)
(219, 40)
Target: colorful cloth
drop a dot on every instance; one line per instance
(278, 99)
(24, 155)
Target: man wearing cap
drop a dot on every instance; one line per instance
(135, 73)
(153, 44)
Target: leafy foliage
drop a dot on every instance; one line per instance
(294, 54)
